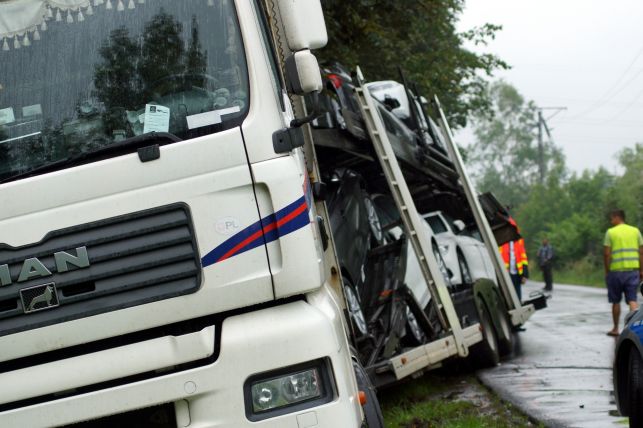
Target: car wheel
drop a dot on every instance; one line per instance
(372, 411)
(465, 273)
(635, 388)
(355, 312)
(374, 223)
(441, 263)
(486, 353)
(413, 329)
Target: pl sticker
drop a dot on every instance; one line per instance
(227, 225)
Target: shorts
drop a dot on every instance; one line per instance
(622, 282)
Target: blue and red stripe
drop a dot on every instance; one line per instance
(268, 229)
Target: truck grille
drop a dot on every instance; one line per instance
(134, 259)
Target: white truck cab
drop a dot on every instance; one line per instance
(159, 249)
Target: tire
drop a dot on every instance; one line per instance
(415, 336)
(486, 353)
(354, 307)
(377, 235)
(505, 333)
(465, 273)
(372, 411)
(441, 263)
(635, 388)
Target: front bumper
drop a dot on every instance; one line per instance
(212, 395)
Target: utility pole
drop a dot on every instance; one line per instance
(542, 124)
(541, 148)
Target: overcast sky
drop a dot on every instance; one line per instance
(586, 55)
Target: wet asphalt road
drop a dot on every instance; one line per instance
(561, 371)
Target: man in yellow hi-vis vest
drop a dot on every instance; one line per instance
(623, 258)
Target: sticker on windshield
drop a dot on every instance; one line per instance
(157, 118)
(6, 116)
(209, 117)
(33, 110)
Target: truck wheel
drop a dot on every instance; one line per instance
(635, 388)
(485, 353)
(372, 412)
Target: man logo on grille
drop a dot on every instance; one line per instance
(39, 297)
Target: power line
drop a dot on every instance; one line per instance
(626, 108)
(608, 94)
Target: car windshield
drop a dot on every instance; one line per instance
(386, 209)
(76, 75)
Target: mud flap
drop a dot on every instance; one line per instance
(538, 299)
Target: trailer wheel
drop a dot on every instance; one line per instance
(505, 339)
(635, 388)
(372, 412)
(486, 353)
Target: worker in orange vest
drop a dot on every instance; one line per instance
(515, 257)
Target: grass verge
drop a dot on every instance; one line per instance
(453, 401)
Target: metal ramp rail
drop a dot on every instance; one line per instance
(457, 341)
(519, 313)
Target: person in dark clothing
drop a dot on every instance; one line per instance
(545, 257)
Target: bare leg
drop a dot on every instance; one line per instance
(633, 305)
(616, 316)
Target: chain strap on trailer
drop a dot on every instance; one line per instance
(519, 314)
(414, 227)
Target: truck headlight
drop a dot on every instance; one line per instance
(288, 390)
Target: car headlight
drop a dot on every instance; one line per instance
(288, 390)
(444, 249)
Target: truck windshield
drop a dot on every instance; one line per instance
(79, 74)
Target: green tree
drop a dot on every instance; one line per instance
(569, 209)
(420, 37)
(627, 193)
(116, 81)
(162, 51)
(196, 58)
(505, 153)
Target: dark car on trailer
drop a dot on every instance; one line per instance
(356, 230)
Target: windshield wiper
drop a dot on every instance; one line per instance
(117, 148)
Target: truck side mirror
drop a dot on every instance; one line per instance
(459, 225)
(302, 73)
(304, 25)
